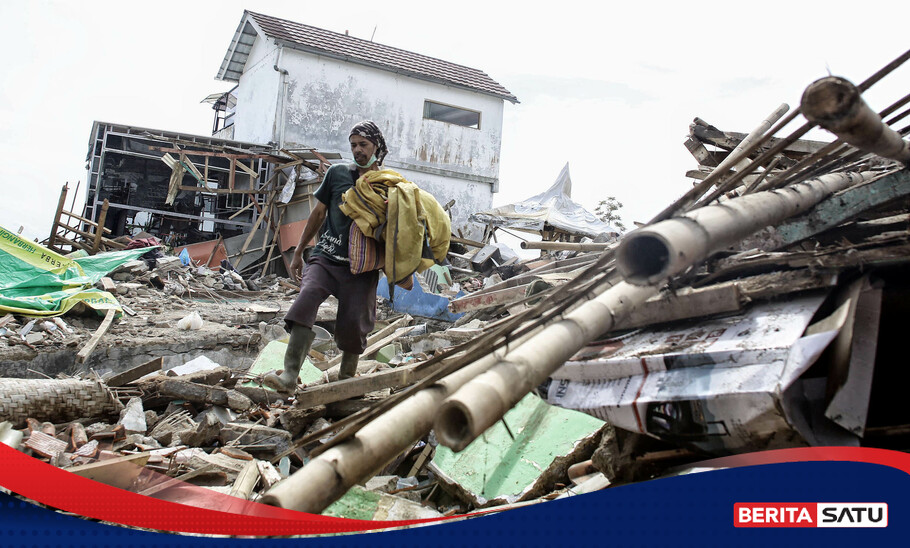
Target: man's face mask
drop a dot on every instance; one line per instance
(368, 164)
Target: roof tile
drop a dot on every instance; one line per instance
(379, 54)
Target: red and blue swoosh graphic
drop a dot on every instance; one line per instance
(689, 509)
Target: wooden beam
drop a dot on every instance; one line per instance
(135, 373)
(219, 190)
(267, 157)
(487, 300)
(248, 170)
(289, 164)
(60, 204)
(843, 207)
(215, 250)
(718, 299)
(244, 208)
(116, 472)
(93, 342)
(86, 221)
(157, 488)
(96, 244)
(378, 345)
(275, 239)
(351, 388)
(108, 284)
(90, 236)
(465, 241)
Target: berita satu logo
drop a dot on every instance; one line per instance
(810, 514)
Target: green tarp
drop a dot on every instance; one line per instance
(35, 281)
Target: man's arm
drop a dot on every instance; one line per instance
(315, 220)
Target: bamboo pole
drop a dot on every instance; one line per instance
(746, 143)
(654, 253)
(836, 105)
(482, 401)
(328, 476)
(647, 258)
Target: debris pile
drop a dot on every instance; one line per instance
(755, 312)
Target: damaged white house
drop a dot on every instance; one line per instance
(302, 86)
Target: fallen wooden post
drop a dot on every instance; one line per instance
(93, 342)
(351, 388)
(135, 373)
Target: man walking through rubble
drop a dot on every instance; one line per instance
(328, 271)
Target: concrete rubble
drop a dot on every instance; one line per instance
(755, 312)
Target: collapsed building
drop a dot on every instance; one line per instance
(758, 311)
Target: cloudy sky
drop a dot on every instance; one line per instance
(607, 87)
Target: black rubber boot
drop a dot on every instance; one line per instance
(348, 365)
(298, 346)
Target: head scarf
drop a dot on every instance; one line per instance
(368, 130)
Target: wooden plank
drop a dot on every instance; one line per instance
(117, 472)
(378, 345)
(60, 203)
(244, 208)
(487, 300)
(90, 236)
(844, 206)
(5, 320)
(215, 249)
(219, 190)
(719, 299)
(214, 154)
(96, 244)
(73, 244)
(194, 171)
(275, 236)
(351, 388)
(86, 221)
(108, 284)
(93, 342)
(157, 488)
(248, 170)
(289, 164)
(135, 373)
(465, 241)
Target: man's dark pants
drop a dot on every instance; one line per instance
(356, 294)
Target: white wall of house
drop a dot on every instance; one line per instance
(258, 95)
(325, 97)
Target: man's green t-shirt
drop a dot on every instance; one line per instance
(333, 235)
